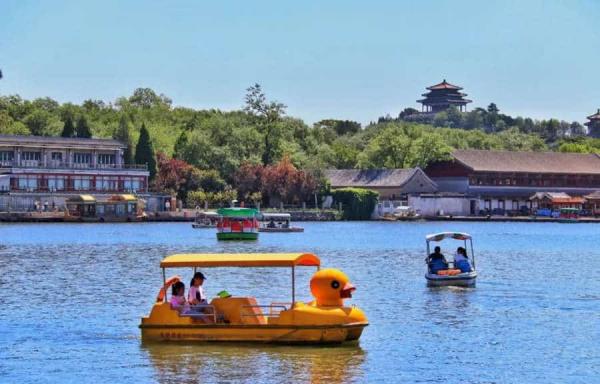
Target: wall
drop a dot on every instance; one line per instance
(433, 205)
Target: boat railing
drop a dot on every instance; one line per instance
(274, 310)
(198, 311)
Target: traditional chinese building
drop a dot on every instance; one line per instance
(594, 124)
(35, 170)
(442, 96)
(504, 181)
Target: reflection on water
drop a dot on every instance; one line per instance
(174, 363)
(73, 296)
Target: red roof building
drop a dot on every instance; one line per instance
(442, 96)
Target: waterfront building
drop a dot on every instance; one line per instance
(35, 170)
(593, 125)
(556, 200)
(502, 182)
(443, 96)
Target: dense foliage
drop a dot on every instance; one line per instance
(357, 203)
(261, 140)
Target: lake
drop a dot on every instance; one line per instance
(73, 295)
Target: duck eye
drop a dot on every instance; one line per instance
(335, 284)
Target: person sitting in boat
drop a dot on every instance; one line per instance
(461, 260)
(178, 301)
(271, 224)
(196, 296)
(437, 261)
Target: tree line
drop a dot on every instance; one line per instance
(258, 153)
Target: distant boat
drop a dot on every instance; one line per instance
(450, 276)
(237, 224)
(277, 222)
(208, 219)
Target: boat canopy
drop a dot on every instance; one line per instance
(276, 216)
(237, 212)
(241, 260)
(448, 235)
(208, 213)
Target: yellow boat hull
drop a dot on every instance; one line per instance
(303, 324)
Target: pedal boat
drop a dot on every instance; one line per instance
(240, 319)
(451, 277)
(277, 223)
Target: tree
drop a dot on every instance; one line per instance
(144, 151)
(83, 129)
(180, 144)
(68, 128)
(406, 112)
(493, 108)
(123, 134)
(266, 115)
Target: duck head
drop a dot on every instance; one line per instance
(330, 287)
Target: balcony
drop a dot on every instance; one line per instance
(52, 164)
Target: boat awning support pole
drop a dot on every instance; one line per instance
(472, 253)
(165, 284)
(293, 286)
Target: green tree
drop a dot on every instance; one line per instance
(266, 116)
(83, 129)
(180, 144)
(68, 128)
(123, 134)
(144, 151)
(427, 149)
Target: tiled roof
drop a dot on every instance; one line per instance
(595, 116)
(528, 162)
(444, 85)
(370, 177)
(67, 141)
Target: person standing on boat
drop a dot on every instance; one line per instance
(461, 260)
(437, 261)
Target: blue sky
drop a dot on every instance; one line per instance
(324, 59)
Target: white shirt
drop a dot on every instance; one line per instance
(194, 292)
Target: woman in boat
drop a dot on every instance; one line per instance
(461, 260)
(178, 301)
(437, 261)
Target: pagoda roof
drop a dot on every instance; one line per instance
(444, 85)
(595, 116)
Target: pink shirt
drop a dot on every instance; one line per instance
(177, 301)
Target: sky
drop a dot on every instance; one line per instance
(355, 60)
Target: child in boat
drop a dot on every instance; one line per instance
(461, 260)
(196, 297)
(178, 301)
(437, 261)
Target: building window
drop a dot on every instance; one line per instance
(28, 183)
(6, 155)
(106, 159)
(35, 156)
(56, 183)
(56, 156)
(81, 183)
(131, 184)
(82, 158)
(105, 183)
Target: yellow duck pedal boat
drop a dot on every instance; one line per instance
(240, 319)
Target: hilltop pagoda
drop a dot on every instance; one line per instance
(442, 96)
(594, 124)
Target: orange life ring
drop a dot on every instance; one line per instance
(170, 281)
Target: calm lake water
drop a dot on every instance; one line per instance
(73, 295)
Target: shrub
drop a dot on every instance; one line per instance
(357, 203)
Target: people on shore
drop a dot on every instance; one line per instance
(437, 261)
(461, 260)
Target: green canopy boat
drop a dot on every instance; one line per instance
(237, 224)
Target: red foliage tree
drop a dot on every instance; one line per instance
(171, 175)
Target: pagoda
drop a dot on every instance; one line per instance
(442, 96)
(594, 125)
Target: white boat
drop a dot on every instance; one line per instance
(206, 219)
(451, 276)
(277, 222)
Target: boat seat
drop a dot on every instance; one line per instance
(239, 310)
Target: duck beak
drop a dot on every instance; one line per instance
(346, 292)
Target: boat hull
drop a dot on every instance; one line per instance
(461, 280)
(198, 225)
(283, 334)
(281, 230)
(237, 235)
